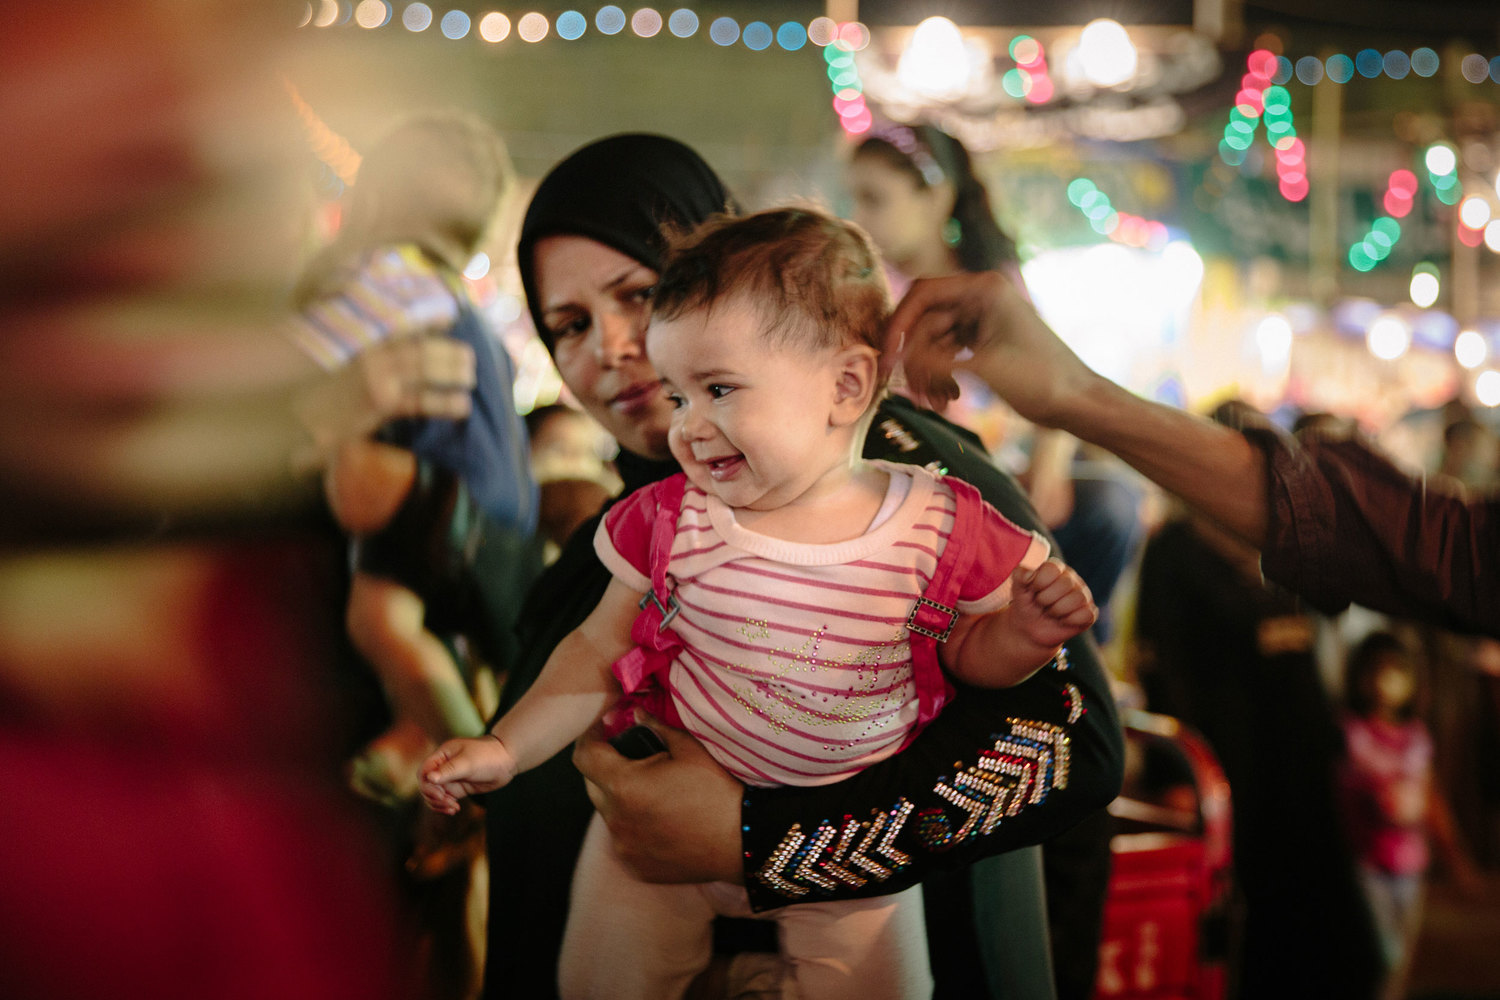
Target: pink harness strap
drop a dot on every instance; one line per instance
(656, 645)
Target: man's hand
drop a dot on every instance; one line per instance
(674, 816)
(981, 322)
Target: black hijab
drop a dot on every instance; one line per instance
(619, 191)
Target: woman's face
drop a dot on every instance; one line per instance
(595, 301)
(904, 218)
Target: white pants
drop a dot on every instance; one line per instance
(634, 940)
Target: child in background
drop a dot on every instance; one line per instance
(797, 571)
(415, 496)
(1392, 807)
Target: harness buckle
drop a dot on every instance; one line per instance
(667, 615)
(932, 633)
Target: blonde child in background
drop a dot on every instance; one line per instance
(796, 569)
(416, 496)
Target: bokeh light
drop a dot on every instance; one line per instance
(1425, 62)
(610, 20)
(1487, 387)
(758, 36)
(1424, 288)
(822, 30)
(1309, 70)
(1470, 349)
(646, 22)
(1273, 338)
(683, 23)
(328, 13)
(477, 267)
(571, 25)
(494, 27)
(532, 27)
(1340, 68)
(455, 25)
(372, 14)
(1492, 235)
(1474, 212)
(724, 31)
(791, 36)
(417, 17)
(1106, 53)
(1397, 64)
(1389, 337)
(1440, 159)
(1370, 63)
(1475, 68)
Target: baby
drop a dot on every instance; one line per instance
(779, 599)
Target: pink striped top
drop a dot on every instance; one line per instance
(795, 667)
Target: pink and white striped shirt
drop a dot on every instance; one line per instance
(795, 667)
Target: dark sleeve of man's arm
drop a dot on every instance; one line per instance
(997, 770)
(1346, 525)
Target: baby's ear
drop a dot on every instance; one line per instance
(857, 378)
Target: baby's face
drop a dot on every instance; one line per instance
(752, 422)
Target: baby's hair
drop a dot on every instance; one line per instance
(814, 279)
(1365, 660)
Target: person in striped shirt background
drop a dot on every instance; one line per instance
(797, 570)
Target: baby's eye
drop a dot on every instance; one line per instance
(718, 391)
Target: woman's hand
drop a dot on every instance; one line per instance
(674, 816)
(983, 323)
(411, 376)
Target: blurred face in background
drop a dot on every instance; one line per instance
(903, 216)
(595, 302)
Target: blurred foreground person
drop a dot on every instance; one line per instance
(1335, 521)
(175, 823)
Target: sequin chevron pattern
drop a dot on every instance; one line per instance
(1018, 771)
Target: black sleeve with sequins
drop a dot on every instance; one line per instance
(997, 770)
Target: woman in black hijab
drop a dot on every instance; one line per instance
(996, 770)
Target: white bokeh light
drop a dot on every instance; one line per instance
(1105, 51)
(1474, 212)
(1273, 339)
(1441, 159)
(1470, 349)
(1487, 387)
(935, 62)
(1424, 288)
(1388, 337)
(1492, 235)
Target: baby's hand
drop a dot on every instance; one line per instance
(1051, 604)
(465, 767)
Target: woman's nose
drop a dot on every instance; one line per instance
(620, 339)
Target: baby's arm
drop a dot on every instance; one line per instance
(573, 689)
(1049, 605)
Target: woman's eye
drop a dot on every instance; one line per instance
(676, 400)
(572, 327)
(644, 294)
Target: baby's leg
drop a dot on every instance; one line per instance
(864, 949)
(627, 939)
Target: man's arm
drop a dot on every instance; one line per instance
(1211, 467)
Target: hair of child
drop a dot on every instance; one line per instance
(813, 278)
(930, 156)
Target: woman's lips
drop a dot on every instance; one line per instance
(636, 397)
